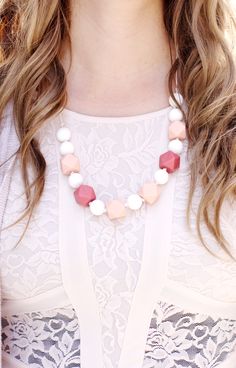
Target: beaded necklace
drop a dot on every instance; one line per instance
(149, 193)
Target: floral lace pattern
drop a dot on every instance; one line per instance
(115, 263)
(189, 263)
(116, 158)
(43, 340)
(175, 339)
(33, 266)
(178, 339)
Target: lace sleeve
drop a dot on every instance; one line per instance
(8, 146)
(8, 140)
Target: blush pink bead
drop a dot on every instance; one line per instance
(70, 163)
(116, 209)
(150, 192)
(169, 161)
(84, 195)
(177, 130)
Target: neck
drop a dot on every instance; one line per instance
(116, 41)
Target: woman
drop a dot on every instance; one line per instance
(116, 252)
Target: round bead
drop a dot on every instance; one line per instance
(66, 148)
(97, 207)
(161, 176)
(179, 98)
(75, 180)
(63, 134)
(175, 146)
(134, 202)
(175, 114)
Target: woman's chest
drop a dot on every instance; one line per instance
(116, 159)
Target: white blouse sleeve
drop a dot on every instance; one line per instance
(8, 146)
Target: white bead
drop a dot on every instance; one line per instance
(161, 176)
(175, 146)
(66, 148)
(97, 207)
(63, 134)
(176, 115)
(75, 180)
(134, 202)
(179, 98)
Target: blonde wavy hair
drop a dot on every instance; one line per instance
(32, 33)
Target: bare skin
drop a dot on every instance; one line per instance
(120, 57)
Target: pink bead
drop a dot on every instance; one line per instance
(177, 130)
(169, 161)
(70, 163)
(150, 192)
(84, 195)
(116, 209)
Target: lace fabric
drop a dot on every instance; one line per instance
(50, 339)
(117, 156)
(116, 262)
(175, 339)
(190, 264)
(33, 266)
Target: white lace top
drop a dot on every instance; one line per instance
(81, 291)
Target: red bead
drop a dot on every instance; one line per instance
(169, 161)
(84, 195)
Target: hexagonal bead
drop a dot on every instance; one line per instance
(84, 195)
(177, 129)
(116, 209)
(150, 192)
(169, 161)
(70, 163)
